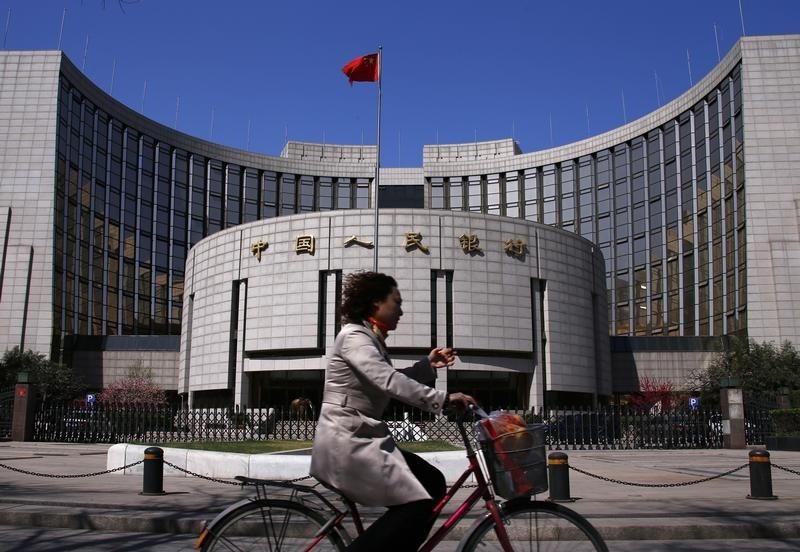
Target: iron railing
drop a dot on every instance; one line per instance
(609, 428)
(6, 412)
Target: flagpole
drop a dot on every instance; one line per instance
(378, 159)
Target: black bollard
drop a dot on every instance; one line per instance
(153, 480)
(558, 471)
(760, 476)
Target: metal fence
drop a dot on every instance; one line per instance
(6, 412)
(564, 428)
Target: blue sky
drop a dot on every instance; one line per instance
(248, 74)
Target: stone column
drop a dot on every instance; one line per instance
(732, 418)
(24, 411)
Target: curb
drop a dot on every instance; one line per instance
(612, 529)
(136, 521)
(227, 465)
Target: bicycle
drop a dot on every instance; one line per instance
(309, 521)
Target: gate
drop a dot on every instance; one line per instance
(6, 412)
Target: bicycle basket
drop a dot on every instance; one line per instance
(515, 460)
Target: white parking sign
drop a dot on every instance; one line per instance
(90, 398)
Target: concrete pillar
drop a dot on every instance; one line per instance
(732, 402)
(241, 391)
(24, 412)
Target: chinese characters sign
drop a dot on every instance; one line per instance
(304, 244)
(414, 240)
(515, 248)
(257, 247)
(353, 240)
(469, 244)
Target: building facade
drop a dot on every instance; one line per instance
(693, 209)
(523, 303)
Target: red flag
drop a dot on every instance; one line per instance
(362, 69)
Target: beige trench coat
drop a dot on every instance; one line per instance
(353, 449)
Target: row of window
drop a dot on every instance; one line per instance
(128, 208)
(666, 208)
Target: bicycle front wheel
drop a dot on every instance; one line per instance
(536, 526)
(271, 525)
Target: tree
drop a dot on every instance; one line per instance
(15, 361)
(653, 392)
(760, 369)
(54, 381)
(133, 390)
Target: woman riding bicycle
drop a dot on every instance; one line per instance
(354, 451)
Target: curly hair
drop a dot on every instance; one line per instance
(360, 292)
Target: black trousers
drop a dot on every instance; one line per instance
(404, 527)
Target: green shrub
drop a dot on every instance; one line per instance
(786, 421)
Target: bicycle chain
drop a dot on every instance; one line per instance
(225, 481)
(661, 485)
(786, 469)
(68, 476)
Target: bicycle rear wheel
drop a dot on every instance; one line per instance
(270, 525)
(536, 526)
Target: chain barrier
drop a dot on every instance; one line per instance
(69, 476)
(681, 484)
(225, 481)
(786, 469)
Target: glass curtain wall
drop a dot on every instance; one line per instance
(666, 209)
(128, 207)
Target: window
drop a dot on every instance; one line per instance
(456, 194)
(531, 195)
(603, 169)
(604, 231)
(474, 194)
(639, 251)
(585, 173)
(669, 141)
(493, 194)
(567, 194)
(603, 200)
(362, 193)
(250, 195)
(269, 195)
(325, 193)
(587, 204)
(288, 191)
(587, 228)
(437, 193)
(549, 211)
(306, 193)
(549, 182)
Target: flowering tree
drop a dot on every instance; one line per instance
(652, 392)
(133, 390)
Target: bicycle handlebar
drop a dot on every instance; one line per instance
(474, 411)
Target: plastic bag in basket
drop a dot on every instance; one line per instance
(508, 433)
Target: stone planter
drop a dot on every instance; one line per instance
(784, 443)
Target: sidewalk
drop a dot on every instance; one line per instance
(713, 509)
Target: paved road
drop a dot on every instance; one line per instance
(52, 540)
(705, 517)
